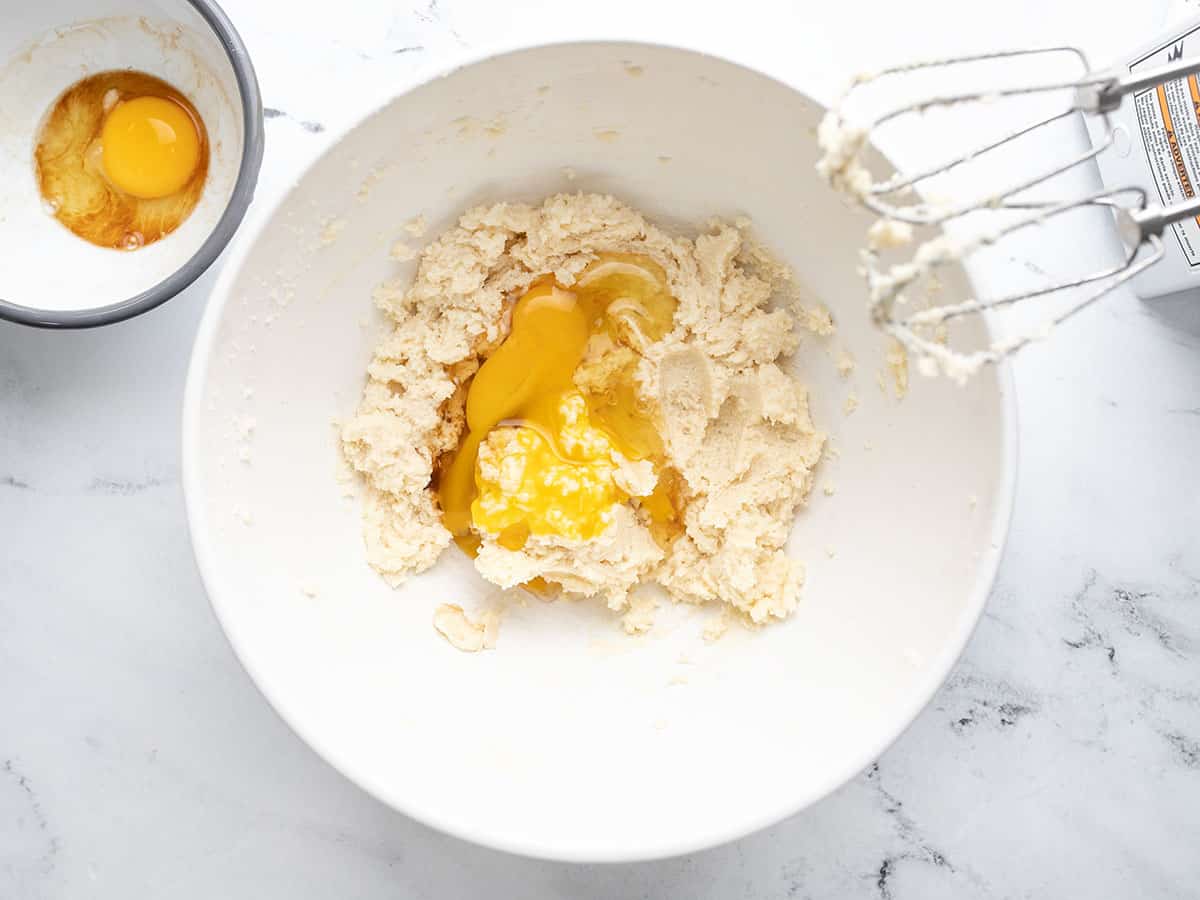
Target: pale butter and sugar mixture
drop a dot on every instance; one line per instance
(585, 402)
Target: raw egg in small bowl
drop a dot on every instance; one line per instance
(130, 145)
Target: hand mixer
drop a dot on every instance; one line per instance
(902, 200)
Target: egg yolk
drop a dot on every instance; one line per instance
(151, 147)
(553, 408)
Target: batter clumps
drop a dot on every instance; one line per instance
(587, 403)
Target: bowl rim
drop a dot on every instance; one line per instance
(666, 847)
(221, 234)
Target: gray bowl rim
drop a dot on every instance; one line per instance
(227, 225)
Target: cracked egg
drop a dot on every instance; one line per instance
(130, 145)
(121, 159)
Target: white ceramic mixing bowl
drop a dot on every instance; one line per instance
(571, 740)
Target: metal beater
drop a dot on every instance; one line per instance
(900, 203)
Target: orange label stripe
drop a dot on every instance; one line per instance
(1185, 182)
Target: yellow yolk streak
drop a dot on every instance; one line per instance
(523, 378)
(552, 471)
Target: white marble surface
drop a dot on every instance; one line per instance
(1062, 759)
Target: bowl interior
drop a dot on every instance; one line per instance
(572, 740)
(46, 47)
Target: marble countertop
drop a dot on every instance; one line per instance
(1061, 759)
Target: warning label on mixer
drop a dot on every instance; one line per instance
(1169, 118)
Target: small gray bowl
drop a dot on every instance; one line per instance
(54, 279)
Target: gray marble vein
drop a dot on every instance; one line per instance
(123, 487)
(270, 112)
